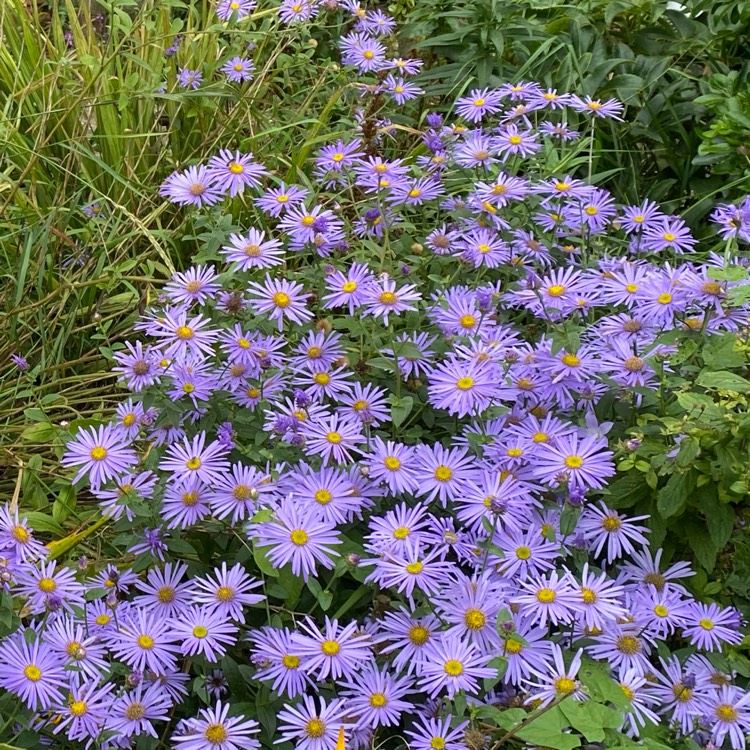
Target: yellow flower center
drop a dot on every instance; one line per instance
(479, 102)
(588, 595)
(570, 360)
(414, 568)
(401, 532)
(465, 383)
(184, 333)
(290, 661)
(669, 237)
(199, 631)
(360, 405)
(388, 298)
(437, 743)
(193, 463)
(216, 734)
(308, 221)
(190, 499)
(330, 648)
(565, 685)
(282, 300)
(513, 647)
(315, 728)
(299, 537)
(633, 364)
(706, 624)
(338, 157)
(349, 286)
(32, 673)
(628, 645)
(592, 210)
(78, 708)
(661, 611)
(129, 419)
(467, 321)
(188, 388)
(574, 462)
(20, 534)
(556, 290)
(540, 437)
(453, 667)
(378, 700)
(474, 619)
(323, 497)
(546, 596)
(443, 474)
(166, 594)
(102, 619)
(47, 585)
(523, 553)
(368, 54)
(333, 437)
(664, 299)
(611, 523)
(725, 712)
(322, 378)
(514, 452)
(135, 711)
(392, 463)
(419, 635)
(515, 140)
(99, 453)
(224, 594)
(145, 642)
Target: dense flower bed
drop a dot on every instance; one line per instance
(361, 479)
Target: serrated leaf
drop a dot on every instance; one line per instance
(672, 498)
(724, 381)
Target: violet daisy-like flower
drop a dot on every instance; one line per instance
(253, 250)
(238, 69)
(183, 336)
(133, 712)
(558, 681)
(511, 141)
(164, 591)
(441, 473)
(280, 299)
(310, 727)
(48, 585)
(238, 494)
(584, 463)
(604, 527)
(392, 463)
(195, 460)
(32, 672)
(328, 490)
(729, 713)
(333, 439)
(668, 233)
(463, 386)
(228, 592)
(193, 187)
(596, 107)
(362, 51)
(430, 733)
(278, 651)
(374, 695)
(599, 599)
(416, 192)
(238, 9)
(276, 201)
(185, 503)
(197, 284)
(16, 538)
(401, 90)
(215, 729)
(101, 453)
(203, 630)
(297, 536)
(708, 626)
(137, 367)
(143, 642)
(233, 172)
(547, 599)
(660, 611)
(405, 635)
(189, 79)
(349, 289)
(451, 664)
(684, 695)
(335, 652)
(82, 713)
(478, 103)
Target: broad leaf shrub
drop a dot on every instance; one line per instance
(358, 493)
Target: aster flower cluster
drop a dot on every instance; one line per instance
(351, 463)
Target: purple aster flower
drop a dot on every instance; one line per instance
(526, 553)
(668, 233)
(30, 671)
(101, 454)
(374, 695)
(463, 386)
(441, 473)
(411, 67)
(142, 641)
(197, 284)
(660, 611)
(385, 299)
(405, 634)
(278, 651)
(581, 462)
(137, 367)
(392, 463)
(277, 200)
(684, 697)
(195, 460)
(333, 439)
(183, 336)
(164, 591)
(401, 90)
(189, 79)
(17, 538)
(450, 664)
(297, 11)
(238, 494)
(557, 680)
(559, 130)
(203, 630)
(429, 733)
(253, 250)
(366, 404)
(637, 218)
(233, 172)
(193, 187)
(595, 107)
(215, 729)
(396, 529)
(603, 526)
(297, 536)
(546, 599)
(415, 192)
(310, 727)
(363, 52)
(185, 503)
(708, 626)
(350, 289)
(510, 141)
(478, 103)
(335, 157)
(475, 151)
(599, 599)
(152, 542)
(20, 362)
(335, 652)
(280, 299)
(239, 9)
(82, 713)
(228, 592)
(729, 713)
(238, 69)
(133, 712)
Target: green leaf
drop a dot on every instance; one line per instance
(673, 497)
(724, 381)
(263, 563)
(720, 521)
(400, 409)
(42, 522)
(546, 730)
